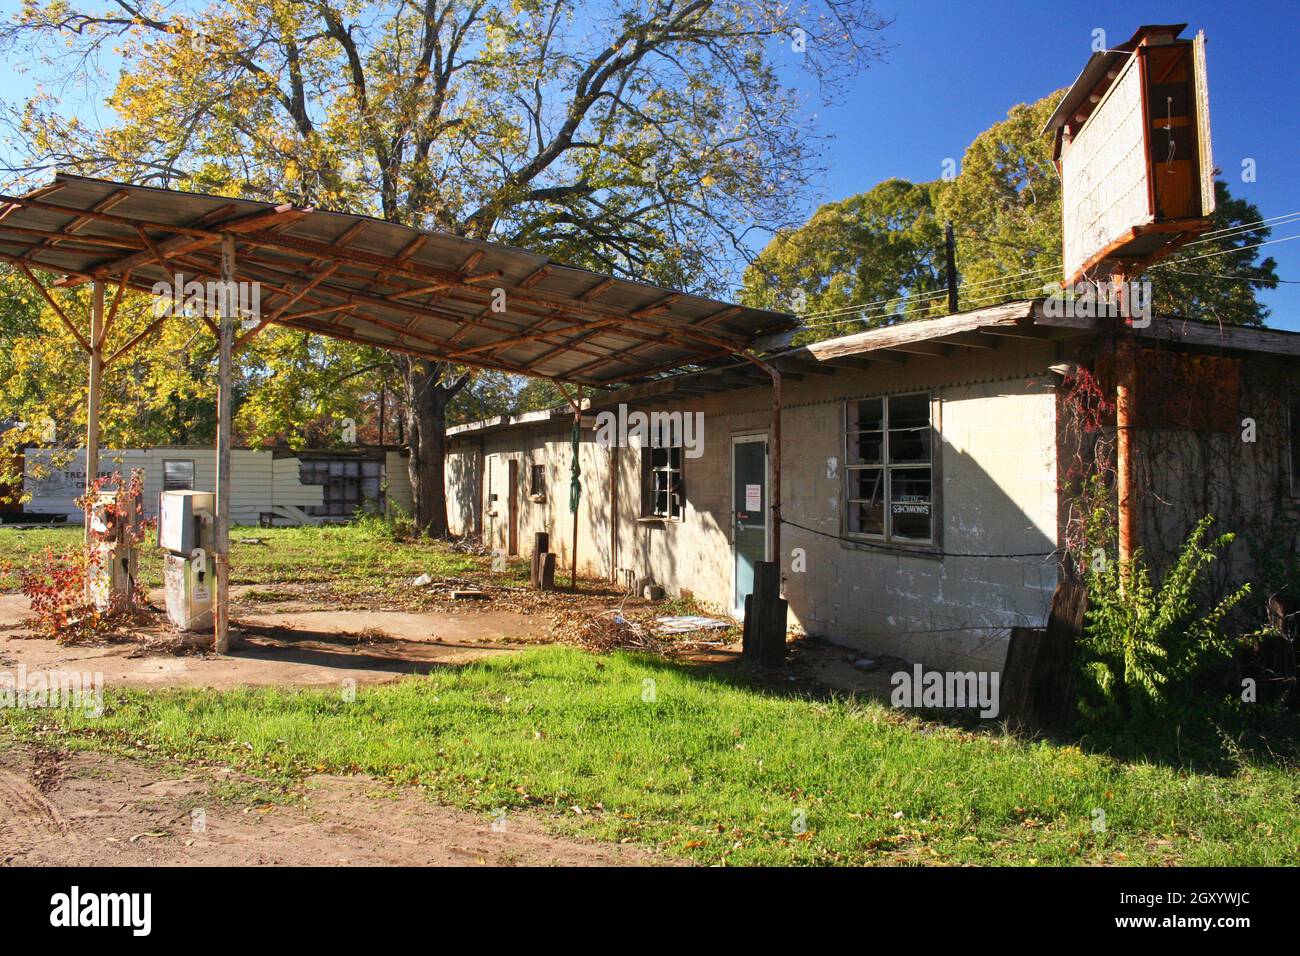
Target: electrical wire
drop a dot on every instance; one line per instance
(1246, 225)
(937, 294)
(1211, 275)
(912, 551)
(922, 301)
(1224, 252)
(856, 313)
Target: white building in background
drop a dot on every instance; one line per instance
(268, 486)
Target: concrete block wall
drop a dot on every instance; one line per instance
(996, 481)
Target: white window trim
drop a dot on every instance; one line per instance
(648, 503)
(887, 469)
(178, 461)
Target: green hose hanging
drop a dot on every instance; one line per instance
(575, 470)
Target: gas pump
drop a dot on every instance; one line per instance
(186, 533)
(114, 559)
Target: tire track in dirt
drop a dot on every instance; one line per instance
(27, 818)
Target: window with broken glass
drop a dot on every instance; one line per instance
(889, 471)
(663, 495)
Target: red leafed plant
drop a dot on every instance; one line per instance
(56, 582)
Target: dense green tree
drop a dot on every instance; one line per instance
(876, 258)
(1005, 207)
(856, 263)
(1216, 278)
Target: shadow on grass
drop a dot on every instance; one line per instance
(1217, 741)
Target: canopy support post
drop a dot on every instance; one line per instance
(221, 525)
(93, 388)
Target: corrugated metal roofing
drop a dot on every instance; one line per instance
(366, 280)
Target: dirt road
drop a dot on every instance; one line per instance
(82, 809)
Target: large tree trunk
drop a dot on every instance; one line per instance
(427, 398)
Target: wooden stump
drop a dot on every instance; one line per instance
(548, 571)
(763, 637)
(541, 545)
(1037, 687)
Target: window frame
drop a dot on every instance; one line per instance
(536, 481)
(675, 487)
(177, 461)
(344, 481)
(933, 543)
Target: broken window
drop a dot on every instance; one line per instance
(348, 485)
(537, 480)
(178, 476)
(889, 471)
(662, 493)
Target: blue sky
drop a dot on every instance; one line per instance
(956, 66)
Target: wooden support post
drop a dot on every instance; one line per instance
(225, 377)
(763, 637)
(541, 545)
(1037, 690)
(94, 386)
(548, 571)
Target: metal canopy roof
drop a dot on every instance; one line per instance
(376, 283)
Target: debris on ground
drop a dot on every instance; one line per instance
(687, 623)
(617, 629)
(250, 541)
(422, 581)
(469, 594)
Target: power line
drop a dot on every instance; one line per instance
(1211, 275)
(924, 300)
(912, 551)
(995, 295)
(1224, 252)
(1246, 225)
(937, 294)
(920, 308)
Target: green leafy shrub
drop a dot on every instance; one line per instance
(1153, 659)
(395, 524)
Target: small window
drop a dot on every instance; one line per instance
(889, 472)
(347, 485)
(537, 481)
(178, 476)
(663, 494)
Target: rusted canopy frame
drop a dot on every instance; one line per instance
(641, 323)
(275, 267)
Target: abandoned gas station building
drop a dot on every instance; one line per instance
(926, 495)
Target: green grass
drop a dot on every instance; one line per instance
(713, 768)
(354, 560)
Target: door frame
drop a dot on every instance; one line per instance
(744, 439)
(512, 508)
